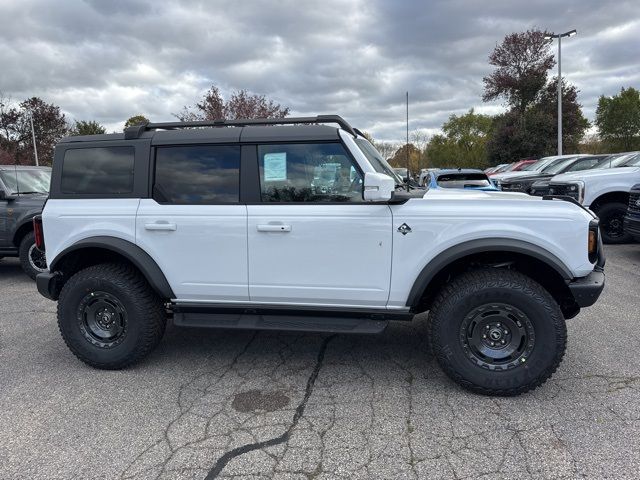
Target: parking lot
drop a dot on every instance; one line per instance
(219, 404)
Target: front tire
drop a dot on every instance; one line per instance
(32, 260)
(109, 316)
(497, 332)
(611, 217)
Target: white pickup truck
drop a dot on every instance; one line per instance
(605, 191)
(222, 226)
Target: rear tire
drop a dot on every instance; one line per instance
(497, 332)
(612, 223)
(32, 260)
(109, 316)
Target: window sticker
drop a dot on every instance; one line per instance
(275, 166)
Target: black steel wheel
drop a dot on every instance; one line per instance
(497, 332)
(103, 319)
(497, 336)
(109, 316)
(32, 259)
(612, 223)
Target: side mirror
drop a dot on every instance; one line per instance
(378, 187)
(4, 196)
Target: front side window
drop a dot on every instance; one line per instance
(101, 170)
(197, 174)
(309, 172)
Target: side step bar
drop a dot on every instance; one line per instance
(284, 318)
(277, 322)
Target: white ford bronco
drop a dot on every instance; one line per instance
(256, 224)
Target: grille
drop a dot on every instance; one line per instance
(634, 201)
(513, 187)
(540, 191)
(563, 189)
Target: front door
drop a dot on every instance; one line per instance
(312, 238)
(194, 226)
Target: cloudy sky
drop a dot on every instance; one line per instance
(106, 60)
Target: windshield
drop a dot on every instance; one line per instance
(633, 161)
(28, 181)
(463, 180)
(530, 167)
(557, 167)
(378, 163)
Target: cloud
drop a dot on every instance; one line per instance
(110, 60)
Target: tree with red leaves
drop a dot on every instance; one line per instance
(242, 104)
(522, 61)
(16, 140)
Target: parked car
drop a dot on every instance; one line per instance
(541, 187)
(23, 191)
(515, 166)
(571, 164)
(632, 219)
(605, 191)
(495, 168)
(217, 225)
(532, 168)
(471, 179)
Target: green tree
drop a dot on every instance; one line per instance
(533, 133)
(136, 120)
(618, 120)
(464, 143)
(91, 127)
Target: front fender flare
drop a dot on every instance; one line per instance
(132, 252)
(456, 252)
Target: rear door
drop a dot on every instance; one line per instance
(194, 227)
(312, 238)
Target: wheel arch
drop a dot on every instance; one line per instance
(530, 259)
(609, 197)
(94, 250)
(22, 230)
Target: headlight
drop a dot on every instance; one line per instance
(578, 189)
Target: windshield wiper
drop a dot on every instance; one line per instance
(28, 193)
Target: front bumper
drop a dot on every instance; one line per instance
(586, 290)
(632, 225)
(48, 285)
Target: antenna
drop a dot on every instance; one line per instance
(408, 171)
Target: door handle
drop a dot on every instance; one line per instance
(278, 227)
(161, 226)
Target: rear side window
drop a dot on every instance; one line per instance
(102, 171)
(197, 175)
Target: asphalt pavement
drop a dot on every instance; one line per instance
(218, 404)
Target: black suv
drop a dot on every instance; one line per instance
(632, 219)
(23, 191)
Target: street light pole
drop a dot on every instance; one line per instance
(33, 136)
(559, 36)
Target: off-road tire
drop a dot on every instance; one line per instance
(144, 310)
(28, 241)
(605, 214)
(473, 290)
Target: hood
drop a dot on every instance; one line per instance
(530, 178)
(504, 176)
(477, 194)
(31, 200)
(599, 173)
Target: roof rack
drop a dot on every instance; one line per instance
(135, 131)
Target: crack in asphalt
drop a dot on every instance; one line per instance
(222, 462)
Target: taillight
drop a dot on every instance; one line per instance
(38, 232)
(592, 241)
